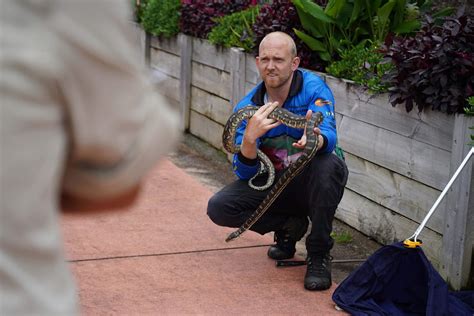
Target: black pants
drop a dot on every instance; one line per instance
(315, 193)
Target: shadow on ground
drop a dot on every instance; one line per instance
(212, 169)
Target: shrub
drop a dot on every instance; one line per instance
(435, 68)
(161, 17)
(344, 24)
(235, 30)
(364, 66)
(138, 6)
(198, 17)
(281, 15)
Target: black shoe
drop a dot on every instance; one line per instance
(286, 238)
(318, 272)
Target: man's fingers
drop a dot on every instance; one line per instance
(273, 125)
(301, 143)
(269, 107)
(299, 146)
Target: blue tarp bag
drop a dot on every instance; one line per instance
(397, 280)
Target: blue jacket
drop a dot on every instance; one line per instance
(307, 92)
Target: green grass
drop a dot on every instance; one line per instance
(342, 237)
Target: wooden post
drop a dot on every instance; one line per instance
(458, 235)
(237, 73)
(186, 48)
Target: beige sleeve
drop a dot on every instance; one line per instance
(119, 125)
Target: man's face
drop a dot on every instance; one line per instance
(276, 63)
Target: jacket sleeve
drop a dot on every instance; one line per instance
(118, 124)
(243, 167)
(323, 101)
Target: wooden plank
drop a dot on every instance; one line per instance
(206, 129)
(170, 45)
(173, 104)
(237, 74)
(185, 73)
(383, 225)
(212, 80)
(251, 72)
(338, 123)
(213, 56)
(249, 87)
(169, 87)
(393, 191)
(411, 158)
(433, 128)
(458, 237)
(167, 63)
(210, 105)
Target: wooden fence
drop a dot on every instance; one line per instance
(399, 162)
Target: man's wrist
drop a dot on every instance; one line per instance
(249, 140)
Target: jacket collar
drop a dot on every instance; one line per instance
(295, 88)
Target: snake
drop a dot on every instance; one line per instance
(289, 119)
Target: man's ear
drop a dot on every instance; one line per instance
(257, 60)
(295, 63)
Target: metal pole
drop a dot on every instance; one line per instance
(441, 196)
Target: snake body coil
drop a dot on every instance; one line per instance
(289, 119)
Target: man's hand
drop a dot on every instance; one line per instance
(301, 144)
(259, 123)
(257, 126)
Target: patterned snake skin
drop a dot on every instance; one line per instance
(289, 119)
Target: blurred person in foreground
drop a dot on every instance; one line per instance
(80, 126)
(316, 192)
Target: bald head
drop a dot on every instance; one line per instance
(276, 62)
(279, 37)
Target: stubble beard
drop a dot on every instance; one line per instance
(275, 81)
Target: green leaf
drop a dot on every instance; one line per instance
(335, 43)
(161, 17)
(383, 13)
(307, 21)
(407, 27)
(444, 12)
(334, 8)
(325, 56)
(314, 10)
(399, 12)
(372, 6)
(234, 30)
(426, 5)
(312, 43)
(356, 11)
(344, 15)
(359, 31)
